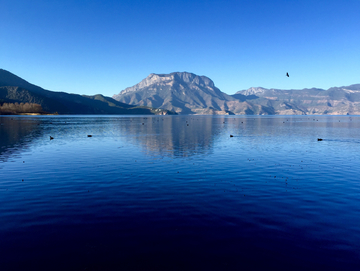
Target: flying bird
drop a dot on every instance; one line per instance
(287, 74)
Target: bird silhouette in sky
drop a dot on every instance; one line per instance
(287, 74)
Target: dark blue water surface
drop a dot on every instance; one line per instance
(178, 193)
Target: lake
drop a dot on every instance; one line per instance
(178, 193)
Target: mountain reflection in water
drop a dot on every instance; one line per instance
(164, 135)
(178, 193)
(178, 136)
(169, 136)
(16, 134)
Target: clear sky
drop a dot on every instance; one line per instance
(100, 46)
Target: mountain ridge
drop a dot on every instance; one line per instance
(182, 92)
(188, 93)
(14, 89)
(185, 93)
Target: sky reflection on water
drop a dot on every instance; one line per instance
(176, 192)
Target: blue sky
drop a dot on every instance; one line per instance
(91, 46)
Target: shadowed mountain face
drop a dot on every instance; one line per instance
(187, 93)
(14, 89)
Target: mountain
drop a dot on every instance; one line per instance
(187, 93)
(335, 101)
(14, 89)
(183, 93)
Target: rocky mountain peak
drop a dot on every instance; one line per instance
(181, 92)
(252, 91)
(170, 79)
(191, 78)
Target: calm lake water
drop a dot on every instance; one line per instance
(178, 193)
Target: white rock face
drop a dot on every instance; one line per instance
(253, 91)
(188, 93)
(181, 92)
(350, 90)
(167, 79)
(151, 79)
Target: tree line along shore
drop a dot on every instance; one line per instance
(22, 109)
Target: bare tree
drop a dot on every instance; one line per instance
(16, 108)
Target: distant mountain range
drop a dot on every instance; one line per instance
(184, 93)
(334, 101)
(187, 93)
(14, 89)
